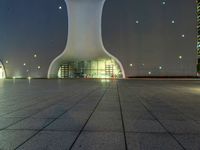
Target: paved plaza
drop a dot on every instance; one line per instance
(133, 114)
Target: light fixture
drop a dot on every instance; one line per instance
(60, 7)
(35, 55)
(160, 67)
(149, 73)
(180, 57)
(131, 65)
(24, 64)
(183, 35)
(163, 3)
(137, 22)
(38, 67)
(173, 21)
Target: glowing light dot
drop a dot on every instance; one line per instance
(29, 78)
(14, 77)
(180, 57)
(149, 73)
(173, 21)
(137, 22)
(131, 65)
(35, 55)
(24, 64)
(163, 3)
(160, 68)
(60, 7)
(6, 61)
(38, 67)
(182, 35)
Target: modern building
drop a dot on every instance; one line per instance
(198, 36)
(85, 55)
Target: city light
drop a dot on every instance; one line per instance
(160, 68)
(149, 73)
(180, 57)
(24, 64)
(38, 67)
(35, 55)
(173, 21)
(60, 7)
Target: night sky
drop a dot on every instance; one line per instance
(146, 33)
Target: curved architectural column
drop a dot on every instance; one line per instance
(2, 71)
(84, 35)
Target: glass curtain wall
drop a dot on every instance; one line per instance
(102, 68)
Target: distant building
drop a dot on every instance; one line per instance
(198, 36)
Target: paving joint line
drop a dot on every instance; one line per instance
(122, 118)
(44, 108)
(81, 99)
(146, 107)
(78, 135)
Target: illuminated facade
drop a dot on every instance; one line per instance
(85, 55)
(198, 36)
(2, 71)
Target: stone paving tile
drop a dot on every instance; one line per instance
(21, 113)
(189, 141)
(81, 114)
(145, 141)
(169, 101)
(52, 112)
(137, 115)
(31, 124)
(143, 126)
(185, 126)
(11, 139)
(4, 122)
(100, 141)
(105, 121)
(47, 140)
(68, 124)
(170, 116)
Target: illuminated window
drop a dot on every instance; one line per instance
(101, 68)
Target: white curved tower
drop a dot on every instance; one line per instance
(85, 54)
(2, 71)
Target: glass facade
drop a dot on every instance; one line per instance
(101, 68)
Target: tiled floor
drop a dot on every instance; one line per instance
(100, 115)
